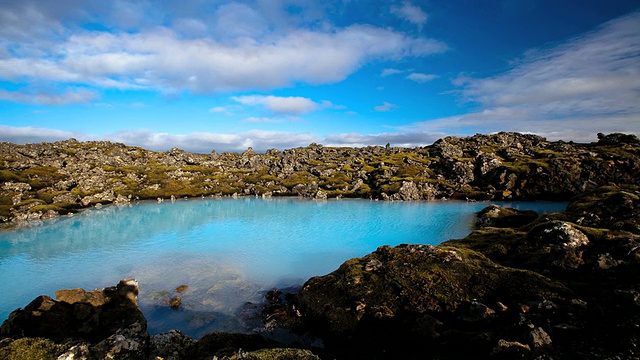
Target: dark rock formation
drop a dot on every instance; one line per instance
(553, 287)
(173, 345)
(41, 181)
(78, 314)
(107, 324)
(406, 299)
(496, 216)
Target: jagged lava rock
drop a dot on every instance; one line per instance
(400, 300)
(91, 316)
(497, 216)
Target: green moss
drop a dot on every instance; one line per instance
(28, 202)
(489, 148)
(298, 177)
(463, 159)
(6, 200)
(201, 169)
(47, 196)
(225, 344)
(280, 354)
(62, 208)
(409, 171)
(518, 168)
(5, 210)
(42, 176)
(364, 190)
(391, 188)
(347, 168)
(546, 153)
(31, 349)
(335, 181)
(258, 177)
(7, 175)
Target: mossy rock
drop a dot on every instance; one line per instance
(497, 244)
(31, 349)
(409, 281)
(278, 354)
(497, 216)
(414, 299)
(225, 344)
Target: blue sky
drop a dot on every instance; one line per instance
(228, 75)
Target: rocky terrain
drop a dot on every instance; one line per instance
(522, 285)
(551, 286)
(40, 181)
(556, 286)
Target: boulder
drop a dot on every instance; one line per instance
(497, 216)
(78, 314)
(398, 300)
(559, 245)
(172, 345)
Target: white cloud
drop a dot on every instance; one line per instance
(398, 139)
(43, 97)
(387, 72)
(32, 134)
(205, 142)
(293, 105)
(218, 109)
(239, 20)
(421, 78)
(571, 91)
(194, 142)
(237, 49)
(410, 13)
(385, 107)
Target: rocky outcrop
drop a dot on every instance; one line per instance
(402, 301)
(78, 314)
(497, 216)
(549, 287)
(49, 179)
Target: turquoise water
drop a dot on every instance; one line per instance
(228, 251)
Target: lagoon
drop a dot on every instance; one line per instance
(229, 252)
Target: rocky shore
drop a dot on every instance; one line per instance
(40, 181)
(521, 285)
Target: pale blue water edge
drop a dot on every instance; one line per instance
(228, 251)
